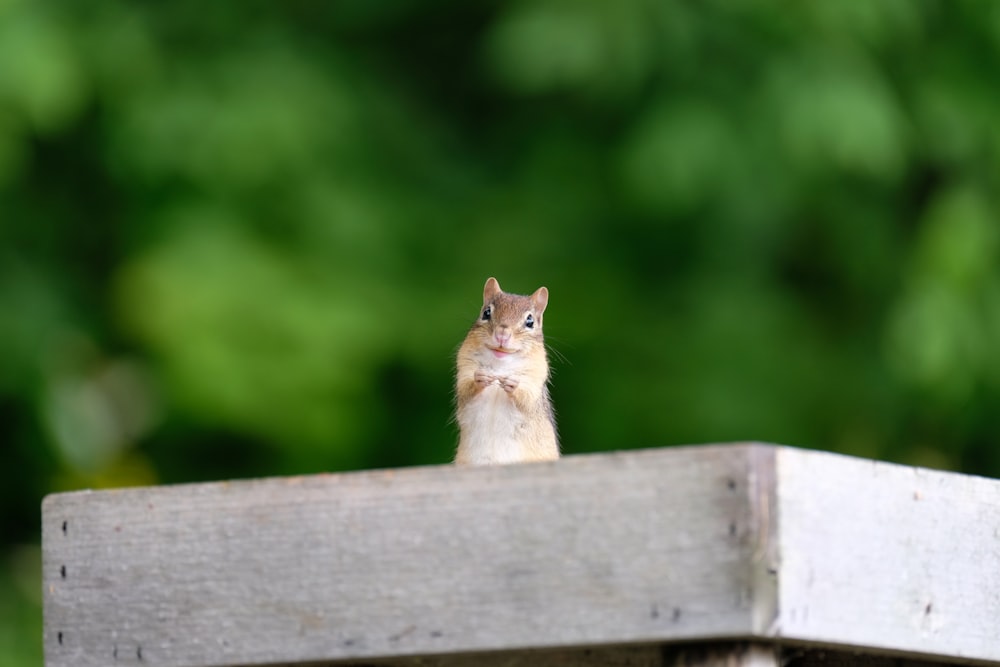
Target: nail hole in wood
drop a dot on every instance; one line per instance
(65, 526)
(62, 571)
(59, 638)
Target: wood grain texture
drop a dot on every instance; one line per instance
(633, 547)
(615, 553)
(888, 558)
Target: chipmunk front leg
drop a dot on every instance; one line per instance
(509, 384)
(522, 394)
(472, 384)
(484, 379)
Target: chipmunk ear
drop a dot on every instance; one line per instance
(539, 300)
(490, 290)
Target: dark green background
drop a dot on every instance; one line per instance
(245, 239)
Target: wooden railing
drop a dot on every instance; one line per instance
(736, 554)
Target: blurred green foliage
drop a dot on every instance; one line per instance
(246, 238)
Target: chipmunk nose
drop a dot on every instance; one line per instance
(502, 336)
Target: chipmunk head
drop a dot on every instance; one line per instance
(511, 322)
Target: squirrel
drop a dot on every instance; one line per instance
(502, 399)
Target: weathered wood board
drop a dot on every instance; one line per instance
(588, 550)
(642, 548)
(888, 557)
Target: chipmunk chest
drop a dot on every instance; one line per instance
(493, 408)
(492, 416)
(492, 428)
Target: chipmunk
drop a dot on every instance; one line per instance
(501, 386)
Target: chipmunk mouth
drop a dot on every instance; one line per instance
(501, 352)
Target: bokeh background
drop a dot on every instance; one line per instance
(245, 239)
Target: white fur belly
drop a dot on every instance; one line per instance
(490, 425)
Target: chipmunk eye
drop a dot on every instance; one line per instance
(487, 313)
(529, 322)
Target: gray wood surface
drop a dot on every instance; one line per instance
(888, 557)
(589, 550)
(588, 553)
